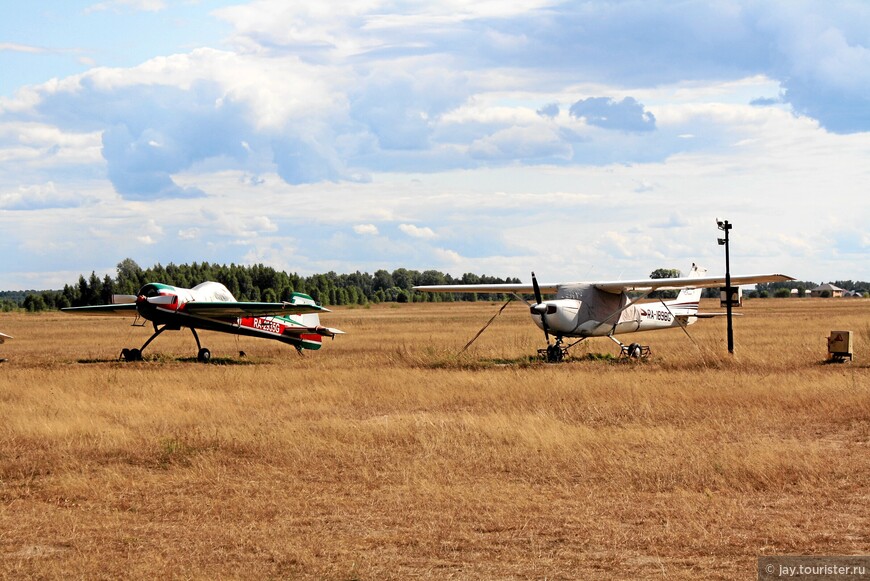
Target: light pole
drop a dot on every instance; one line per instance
(725, 226)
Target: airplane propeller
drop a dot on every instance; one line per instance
(122, 299)
(554, 352)
(539, 308)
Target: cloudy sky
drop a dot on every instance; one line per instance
(584, 140)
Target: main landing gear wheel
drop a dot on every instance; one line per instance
(634, 351)
(203, 355)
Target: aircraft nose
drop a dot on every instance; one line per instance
(543, 309)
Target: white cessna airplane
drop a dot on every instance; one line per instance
(604, 309)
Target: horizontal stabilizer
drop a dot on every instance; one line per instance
(714, 315)
(323, 331)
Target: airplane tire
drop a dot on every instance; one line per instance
(131, 355)
(204, 355)
(554, 354)
(634, 351)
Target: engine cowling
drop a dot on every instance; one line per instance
(561, 315)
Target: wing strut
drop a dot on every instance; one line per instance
(479, 333)
(680, 322)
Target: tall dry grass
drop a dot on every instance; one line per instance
(387, 455)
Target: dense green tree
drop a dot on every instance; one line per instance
(664, 273)
(107, 289)
(382, 281)
(34, 302)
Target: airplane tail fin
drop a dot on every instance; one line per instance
(688, 299)
(314, 332)
(308, 319)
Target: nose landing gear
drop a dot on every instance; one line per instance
(554, 353)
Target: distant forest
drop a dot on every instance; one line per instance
(264, 283)
(255, 283)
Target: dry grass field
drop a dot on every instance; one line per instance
(386, 456)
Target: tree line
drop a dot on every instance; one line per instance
(264, 283)
(261, 283)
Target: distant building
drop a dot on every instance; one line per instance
(827, 290)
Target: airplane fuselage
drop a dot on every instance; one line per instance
(581, 310)
(565, 318)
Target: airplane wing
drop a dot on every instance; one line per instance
(125, 309)
(248, 309)
(486, 288)
(618, 286)
(208, 309)
(614, 286)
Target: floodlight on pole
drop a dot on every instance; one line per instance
(729, 292)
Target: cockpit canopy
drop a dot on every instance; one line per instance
(154, 289)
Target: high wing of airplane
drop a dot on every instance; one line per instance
(604, 308)
(212, 307)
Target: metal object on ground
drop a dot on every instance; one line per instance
(840, 345)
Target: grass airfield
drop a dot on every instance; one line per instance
(387, 456)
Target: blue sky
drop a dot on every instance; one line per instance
(592, 140)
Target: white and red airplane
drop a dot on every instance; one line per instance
(604, 309)
(212, 307)
(3, 337)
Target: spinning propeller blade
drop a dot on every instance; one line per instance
(123, 299)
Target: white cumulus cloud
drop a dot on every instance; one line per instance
(366, 229)
(417, 232)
